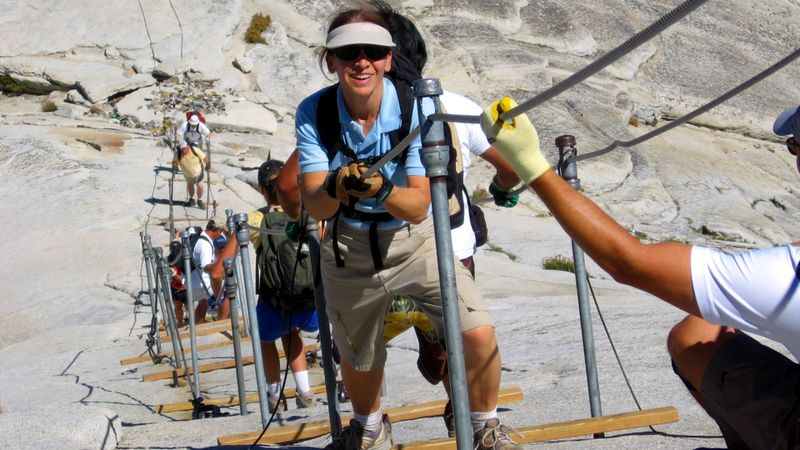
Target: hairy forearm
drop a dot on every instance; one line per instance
(319, 204)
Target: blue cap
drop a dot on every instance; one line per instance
(788, 122)
(220, 242)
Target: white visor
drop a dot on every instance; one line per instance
(363, 33)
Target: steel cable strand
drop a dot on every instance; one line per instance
(687, 117)
(180, 26)
(623, 49)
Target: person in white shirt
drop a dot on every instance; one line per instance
(749, 389)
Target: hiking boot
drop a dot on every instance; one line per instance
(494, 435)
(201, 204)
(449, 419)
(305, 400)
(351, 438)
(278, 403)
(190, 202)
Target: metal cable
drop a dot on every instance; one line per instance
(149, 38)
(623, 49)
(179, 24)
(712, 104)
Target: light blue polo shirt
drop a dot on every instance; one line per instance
(313, 156)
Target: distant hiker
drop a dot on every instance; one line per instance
(385, 230)
(192, 135)
(177, 288)
(203, 256)
(749, 389)
(285, 287)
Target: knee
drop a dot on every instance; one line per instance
(479, 336)
(694, 331)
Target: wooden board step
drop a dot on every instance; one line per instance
(146, 358)
(218, 365)
(229, 400)
(217, 326)
(573, 428)
(310, 430)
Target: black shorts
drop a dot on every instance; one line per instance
(753, 393)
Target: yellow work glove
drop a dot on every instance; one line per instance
(516, 140)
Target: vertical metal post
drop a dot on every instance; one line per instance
(187, 269)
(325, 341)
(435, 156)
(568, 170)
(208, 177)
(169, 311)
(231, 289)
(239, 280)
(147, 252)
(159, 298)
(242, 237)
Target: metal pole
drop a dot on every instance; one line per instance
(239, 279)
(568, 170)
(325, 341)
(169, 312)
(435, 155)
(148, 254)
(230, 291)
(208, 177)
(153, 268)
(187, 269)
(242, 236)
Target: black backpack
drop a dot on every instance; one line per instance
(284, 277)
(329, 129)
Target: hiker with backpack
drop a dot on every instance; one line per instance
(285, 287)
(203, 256)
(192, 135)
(748, 388)
(380, 241)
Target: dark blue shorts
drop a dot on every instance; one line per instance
(272, 325)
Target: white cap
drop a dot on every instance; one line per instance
(364, 33)
(194, 120)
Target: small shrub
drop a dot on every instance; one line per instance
(559, 262)
(258, 23)
(48, 106)
(498, 249)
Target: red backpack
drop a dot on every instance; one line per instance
(199, 115)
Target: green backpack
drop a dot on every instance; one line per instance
(284, 278)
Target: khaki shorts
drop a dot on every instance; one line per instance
(358, 297)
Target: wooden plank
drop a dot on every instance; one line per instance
(145, 358)
(573, 428)
(229, 400)
(218, 365)
(165, 340)
(222, 325)
(310, 430)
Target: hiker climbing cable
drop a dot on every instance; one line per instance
(285, 287)
(203, 255)
(192, 136)
(749, 389)
(380, 233)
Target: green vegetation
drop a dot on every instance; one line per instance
(495, 248)
(558, 262)
(48, 106)
(258, 24)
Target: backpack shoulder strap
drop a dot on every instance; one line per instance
(328, 124)
(406, 100)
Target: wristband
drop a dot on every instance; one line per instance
(384, 191)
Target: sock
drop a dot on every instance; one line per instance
(301, 382)
(274, 389)
(372, 423)
(479, 418)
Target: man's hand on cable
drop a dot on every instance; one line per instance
(507, 199)
(515, 139)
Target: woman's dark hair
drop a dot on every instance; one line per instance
(407, 38)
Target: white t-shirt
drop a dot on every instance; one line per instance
(472, 140)
(180, 133)
(204, 255)
(757, 291)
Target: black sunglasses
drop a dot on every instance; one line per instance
(793, 146)
(352, 52)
